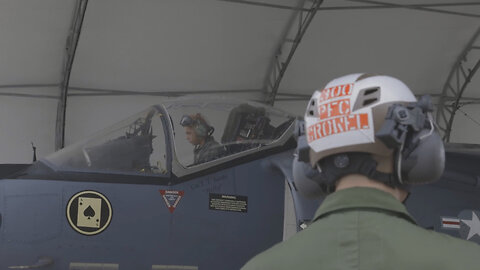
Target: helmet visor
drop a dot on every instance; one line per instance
(187, 121)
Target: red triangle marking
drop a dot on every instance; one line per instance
(171, 198)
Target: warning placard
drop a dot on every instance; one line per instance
(231, 203)
(171, 198)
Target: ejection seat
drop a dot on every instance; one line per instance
(247, 126)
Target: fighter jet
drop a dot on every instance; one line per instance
(133, 197)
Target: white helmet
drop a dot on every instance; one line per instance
(362, 114)
(346, 114)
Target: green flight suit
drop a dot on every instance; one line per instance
(367, 229)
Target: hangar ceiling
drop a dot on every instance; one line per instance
(58, 51)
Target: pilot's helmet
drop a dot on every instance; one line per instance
(198, 123)
(362, 113)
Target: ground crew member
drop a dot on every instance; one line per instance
(367, 141)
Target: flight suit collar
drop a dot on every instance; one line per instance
(362, 198)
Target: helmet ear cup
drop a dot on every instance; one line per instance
(200, 129)
(426, 162)
(410, 130)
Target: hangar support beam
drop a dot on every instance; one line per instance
(378, 5)
(460, 76)
(374, 5)
(71, 47)
(280, 61)
(419, 7)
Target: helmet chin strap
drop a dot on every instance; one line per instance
(333, 168)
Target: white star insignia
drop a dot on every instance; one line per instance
(474, 225)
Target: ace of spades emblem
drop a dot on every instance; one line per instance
(89, 212)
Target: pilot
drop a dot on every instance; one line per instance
(367, 142)
(199, 133)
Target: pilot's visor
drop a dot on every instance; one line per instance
(187, 121)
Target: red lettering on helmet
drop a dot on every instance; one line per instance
(335, 92)
(344, 106)
(311, 134)
(318, 132)
(334, 109)
(341, 124)
(338, 125)
(363, 120)
(352, 122)
(348, 89)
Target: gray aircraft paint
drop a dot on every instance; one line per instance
(143, 232)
